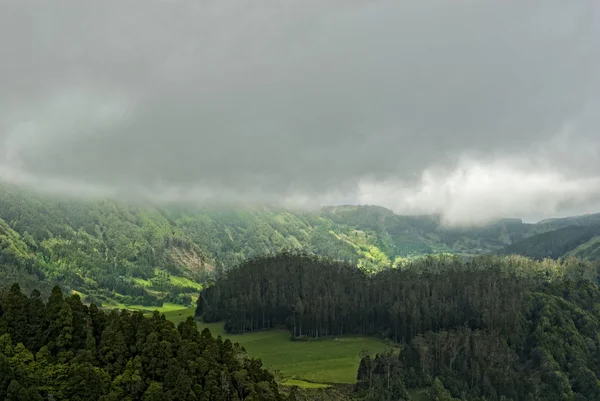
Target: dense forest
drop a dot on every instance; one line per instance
(438, 292)
(64, 350)
(488, 328)
(117, 252)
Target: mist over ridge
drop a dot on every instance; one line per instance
(421, 108)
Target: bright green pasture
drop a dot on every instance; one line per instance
(166, 308)
(179, 315)
(320, 361)
(332, 360)
(303, 384)
(185, 282)
(175, 280)
(307, 364)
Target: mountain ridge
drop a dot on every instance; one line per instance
(147, 254)
(573, 240)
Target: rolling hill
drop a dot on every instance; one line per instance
(582, 241)
(129, 254)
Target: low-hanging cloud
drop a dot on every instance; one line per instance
(472, 109)
(477, 192)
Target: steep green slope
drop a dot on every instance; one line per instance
(583, 220)
(145, 255)
(575, 240)
(587, 250)
(16, 259)
(101, 248)
(405, 236)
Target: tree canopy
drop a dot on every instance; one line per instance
(64, 350)
(487, 328)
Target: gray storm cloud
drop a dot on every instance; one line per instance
(472, 109)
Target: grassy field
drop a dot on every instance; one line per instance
(309, 364)
(166, 308)
(185, 282)
(175, 280)
(179, 315)
(303, 384)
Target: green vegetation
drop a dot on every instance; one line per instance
(182, 282)
(166, 308)
(311, 293)
(307, 364)
(303, 384)
(109, 252)
(64, 350)
(185, 282)
(581, 241)
(587, 250)
(180, 315)
(143, 255)
(487, 328)
(324, 361)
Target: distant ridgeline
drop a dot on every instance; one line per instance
(113, 252)
(64, 350)
(489, 328)
(582, 241)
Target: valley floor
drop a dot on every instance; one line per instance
(166, 308)
(307, 364)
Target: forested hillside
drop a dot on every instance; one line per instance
(486, 329)
(581, 241)
(64, 350)
(119, 252)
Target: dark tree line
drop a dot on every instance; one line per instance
(487, 328)
(319, 297)
(556, 358)
(64, 350)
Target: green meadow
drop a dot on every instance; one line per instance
(166, 308)
(309, 364)
(175, 280)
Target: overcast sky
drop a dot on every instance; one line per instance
(473, 109)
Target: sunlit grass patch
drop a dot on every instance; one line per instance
(303, 384)
(330, 360)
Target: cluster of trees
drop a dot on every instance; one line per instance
(64, 350)
(555, 356)
(487, 328)
(319, 297)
